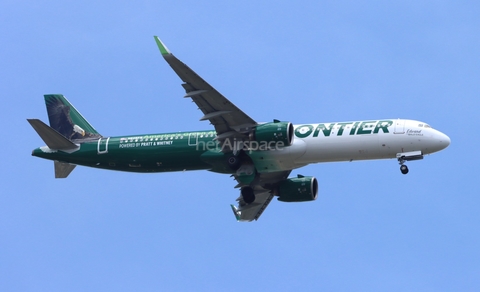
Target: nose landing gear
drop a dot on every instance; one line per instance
(404, 169)
(408, 156)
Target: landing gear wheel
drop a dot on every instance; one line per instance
(404, 169)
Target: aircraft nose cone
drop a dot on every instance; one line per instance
(443, 139)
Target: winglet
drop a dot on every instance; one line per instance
(236, 212)
(163, 49)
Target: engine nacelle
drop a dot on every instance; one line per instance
(272, 135)
(298, 189)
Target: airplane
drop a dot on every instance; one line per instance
(259, 156)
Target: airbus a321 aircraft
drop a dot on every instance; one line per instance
(260, 156)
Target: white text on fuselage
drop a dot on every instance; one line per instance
(140, 142)
(414, 132)
(343, 129)
(164, 139)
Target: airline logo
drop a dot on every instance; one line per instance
(346, 128)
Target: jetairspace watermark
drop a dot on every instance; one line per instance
(246, 145)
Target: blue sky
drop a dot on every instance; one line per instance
(371, 229)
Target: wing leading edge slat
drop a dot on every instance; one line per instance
(207, 98)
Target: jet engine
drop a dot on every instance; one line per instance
(298, 189)
(275, 134)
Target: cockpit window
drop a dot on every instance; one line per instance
(427, 126)
(420, 125)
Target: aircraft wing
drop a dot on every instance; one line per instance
(228, 120)
(262, 186)
(253, 211)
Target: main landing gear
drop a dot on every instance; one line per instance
(248, 195)
(408, 156)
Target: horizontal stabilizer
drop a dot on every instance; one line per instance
(51, 137)
(62, 169)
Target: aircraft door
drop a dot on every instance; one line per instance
(192, 139)
(399, 127)
(102, 147)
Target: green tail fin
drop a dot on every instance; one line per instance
(65, 118)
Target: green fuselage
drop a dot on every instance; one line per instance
(145, 153)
